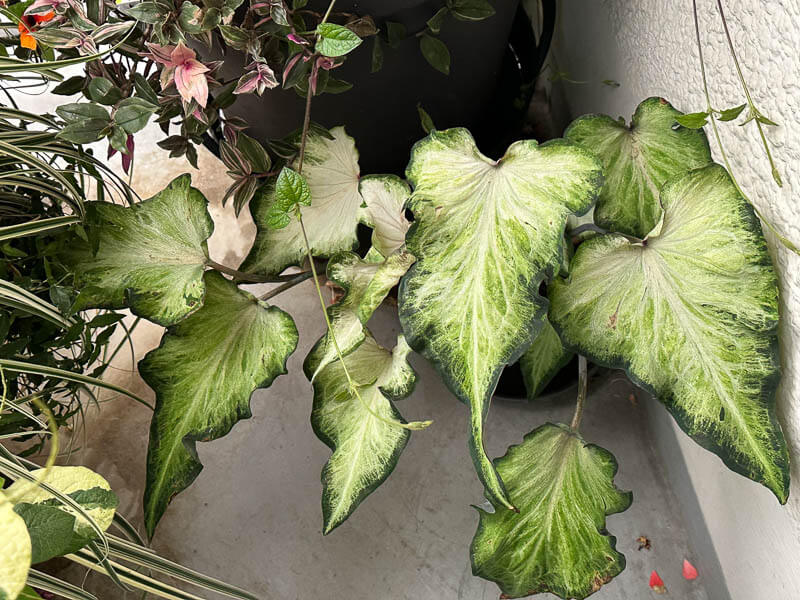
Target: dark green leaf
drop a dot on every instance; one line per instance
(119, 139)
(83, 132)
(425, 119)
(471, 10)
(254, 152)
(133, 113)
(377, 55)
(104, 91)
(144, 89)
(436, 53)
(79, 111)
(146, 12)
(396, 33)
(70, 86)
(436, 21)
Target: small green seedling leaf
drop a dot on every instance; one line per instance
(335, 40)
(729, 114)
(425, 119)
(695, 120)
(471, 10)
(291, 192)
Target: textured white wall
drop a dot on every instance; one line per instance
(648, 46)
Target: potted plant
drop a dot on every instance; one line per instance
(669, 279)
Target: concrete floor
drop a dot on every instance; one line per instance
(253, 516)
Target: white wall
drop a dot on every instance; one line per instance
(648, 46)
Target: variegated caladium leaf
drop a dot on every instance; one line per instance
(203, 373)
(545, 357)
(15, 551)
(57, 529)
(366, 284)
(332, 172)
(564, 489)
(691, 313)
(366, 448)
(486, 233)
(149, 256)
(638, 160)
(385, 197)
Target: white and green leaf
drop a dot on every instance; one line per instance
(545, 357)
(365, 441)
(366, 284)
(149, 257)
(204, 373)
(55, 528)
(385, 197)
(15, 551)
(691, 313)
(331, 170)
(564, 489)
(638, 160)
(486, 234)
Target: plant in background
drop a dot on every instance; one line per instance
(669, 279)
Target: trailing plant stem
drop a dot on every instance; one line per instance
(712, 118)
(583, 389)
(248, 277)
(299, 278)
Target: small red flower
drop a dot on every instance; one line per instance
(689, 572)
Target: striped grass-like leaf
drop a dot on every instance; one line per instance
(638, 160)
(564, 489)
(486, 234)
(203, 373)
(691, 313)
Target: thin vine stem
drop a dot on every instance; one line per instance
(754, 112)
(414, 425)
(299, 278)
(248, 277)
(583, 391)
(712, 118)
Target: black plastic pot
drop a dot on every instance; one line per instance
(380, 111)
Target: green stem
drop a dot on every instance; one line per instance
(328, 12)
(583, 390)
(712, 117)
(754, 112)
(299, 278)
(248, 277)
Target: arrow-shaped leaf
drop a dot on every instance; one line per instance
(150, 256)
(692, 314)
(564, 489)
(486, 233)
(638, 159)
(204, 372)
(365, 447)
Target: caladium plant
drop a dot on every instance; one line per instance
(671, 281)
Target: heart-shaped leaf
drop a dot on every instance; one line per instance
(335, 40)
(691, 313)
(638, 160)
(150, 256)
(486, 233)
(203, 373)
(15, 551)
(564, 489)
(331, 170)
(365, 448)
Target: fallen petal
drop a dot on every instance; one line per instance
(657, 584)
(689, 572)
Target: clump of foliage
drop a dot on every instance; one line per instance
(669, 279)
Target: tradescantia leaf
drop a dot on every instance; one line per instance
(203, 373)
(365, 448)
(385, 198)
(638, 160)
(486, 233)
(366, 284)
(150, 256)
(56, 529)
(331, 170)
(691, 313)
(15, 551)
(564, 489)
(545, 357)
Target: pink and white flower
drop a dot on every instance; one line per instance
(182, 68)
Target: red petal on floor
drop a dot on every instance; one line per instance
(657, 584)
(689, 572)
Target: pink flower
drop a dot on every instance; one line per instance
(182, 67)
(258, 78)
